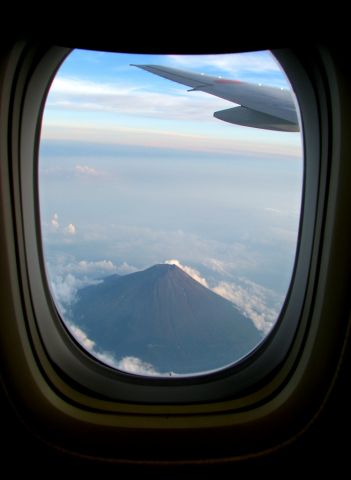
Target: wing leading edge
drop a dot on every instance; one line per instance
(260, 106)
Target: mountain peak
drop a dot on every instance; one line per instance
(162, 271)
(164, 317)
(167, 269)
(163, 268)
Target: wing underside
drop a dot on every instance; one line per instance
(252, 118)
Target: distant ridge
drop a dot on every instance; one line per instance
(164, 317)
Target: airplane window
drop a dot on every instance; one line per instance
(170, 195)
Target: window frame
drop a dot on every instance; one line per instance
(68, 411)
(84, 369)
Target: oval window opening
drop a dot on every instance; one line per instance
(170, 193)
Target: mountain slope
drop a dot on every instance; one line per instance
(164, 317)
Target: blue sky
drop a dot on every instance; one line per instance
(135, 170)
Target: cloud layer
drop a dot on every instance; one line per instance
(82, 95)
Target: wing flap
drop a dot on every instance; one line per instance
(248, 117)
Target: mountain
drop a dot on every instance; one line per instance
(164, 317)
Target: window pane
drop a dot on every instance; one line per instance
(169, 230)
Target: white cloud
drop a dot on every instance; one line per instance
(101, 265)
(98, 268)
(137, 366)
(55, 227)
(124, 269)
(87, 171)
(67, 275)
(190, 271)
(65, 287)
(127, 364)
(252, 299)
(63, 264)
(55, 222)
(81, 337)
(71, 229)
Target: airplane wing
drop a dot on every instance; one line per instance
(260, 106)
